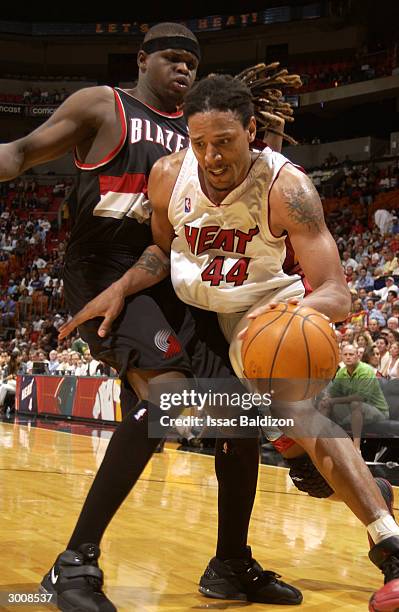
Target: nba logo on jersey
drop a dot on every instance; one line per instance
(187, 205)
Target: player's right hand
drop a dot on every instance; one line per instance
(252, 314)
(108, 304)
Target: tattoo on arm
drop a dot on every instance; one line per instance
(152, 264)
(304, 207)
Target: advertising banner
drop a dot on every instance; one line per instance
(93, 398)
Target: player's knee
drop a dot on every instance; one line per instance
(140, 380)
(307, 478)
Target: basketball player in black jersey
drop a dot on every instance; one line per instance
(117, 136)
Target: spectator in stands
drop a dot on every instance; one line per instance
(9, 382)
(53, 363)
(77, 367)
(8, 312)
(44, 97)
(393, 367)
(25, 304)
(35, 284)
(13, 288)
(374, 329)
(58, 321)
(362, 295)
(365, 280)
(92, 366)
(9, 244)
(358, 316)
(387, 306)
(374, 313)
(392, 335)
(371, 356)
(347, 260)
(37, 324)
(363, 339)
(354, 397)
(389, 286)
(393, 323)
(349, 272)
(64, 362)
(3, 363)
(39, 263)
(27, 96)
(360, 352)
(48, 291)
(391, 263)
(48, 329)
(395, 309)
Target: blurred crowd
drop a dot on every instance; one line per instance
(35, 95)
(369, 250)
(366, 64)
(33, 239)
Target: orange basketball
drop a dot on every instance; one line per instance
(293, 350)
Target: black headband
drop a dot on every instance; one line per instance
(172, 42)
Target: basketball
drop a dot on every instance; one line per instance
(292, 349)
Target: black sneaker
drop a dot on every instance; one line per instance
(385, 555)
(245, 580)
(75, 581)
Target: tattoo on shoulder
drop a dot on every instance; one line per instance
(152, 264)
(304, 206)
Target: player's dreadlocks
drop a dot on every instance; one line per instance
(266, 83)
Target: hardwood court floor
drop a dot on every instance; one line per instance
(159, 543)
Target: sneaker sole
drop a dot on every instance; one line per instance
(243, 597)
(207, 592)
(56, 601)
(48, 591)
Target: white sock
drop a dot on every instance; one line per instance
(384, 527)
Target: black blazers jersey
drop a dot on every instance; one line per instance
(111, 205)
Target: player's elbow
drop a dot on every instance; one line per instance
(342, 303)
(12, 157)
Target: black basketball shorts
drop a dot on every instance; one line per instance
(155, 330)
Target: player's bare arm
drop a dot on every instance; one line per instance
(295, 207)
(86, 117)
(160, 187)
(152, 267)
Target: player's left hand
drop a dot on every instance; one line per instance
(261, 310)
(108, 304)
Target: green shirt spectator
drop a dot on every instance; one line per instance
(363, 383)
(355, 397)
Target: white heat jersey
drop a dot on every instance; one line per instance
(225, 258)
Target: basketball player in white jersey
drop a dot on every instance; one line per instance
(223, 212)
